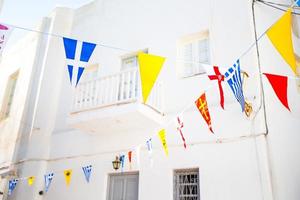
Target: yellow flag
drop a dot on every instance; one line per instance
(280, 35)
(31, 180)
(68, 174)
(162, 137)
(150, 66)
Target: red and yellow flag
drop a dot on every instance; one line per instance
(201, 104)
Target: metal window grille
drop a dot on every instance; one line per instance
(186, 184)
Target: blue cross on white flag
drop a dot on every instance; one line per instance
(77, 56)
(149, 146)
(122, 159)
(48, 179)
(87, 170)
(234, 80)
(12, 185)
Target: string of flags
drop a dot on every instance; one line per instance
(79, 53)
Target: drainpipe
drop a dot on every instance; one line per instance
(267, 161)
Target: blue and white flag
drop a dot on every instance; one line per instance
(78, 55)
(12, 185)
(149, 146)
(234, 80)
(48, 180)
(122, 159)
(87, 170)
(298, 2)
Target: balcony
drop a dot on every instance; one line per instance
(114, 103)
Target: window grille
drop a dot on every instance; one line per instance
(186, 184)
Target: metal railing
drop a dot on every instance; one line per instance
(122, 87)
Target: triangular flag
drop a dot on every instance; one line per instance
(87, 170)
(179, 128)
(5, 32)
(220, 78)
(86, 51)
(162, 137)
(68, 175)
(122, 160)
(150, 148)
(280, 35)
(31, 180)
(279, 85)
(234, 80)
(129, 158)
(48, 179)
(201, 104)
(150, 66)
(12, 185)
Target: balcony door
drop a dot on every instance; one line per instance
(128, 87)
(123, 186)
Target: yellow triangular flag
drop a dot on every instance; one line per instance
(150, 66)
(68, 174)
(280, 35)
(162, 137)
(31, 180)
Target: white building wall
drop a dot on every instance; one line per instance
(264, 168)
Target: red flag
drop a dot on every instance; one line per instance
(179, 128)
(219, 77)
(201, 104)
(279, 85)
(129, 156)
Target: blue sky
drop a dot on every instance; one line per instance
(28, 12)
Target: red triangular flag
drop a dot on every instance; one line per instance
(201, 104)
(279, 85)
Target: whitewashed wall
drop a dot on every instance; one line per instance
(265, 168)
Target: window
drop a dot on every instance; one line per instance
(123, 186)
(186, 184)
(130, 61)
(193, 51)
(9, 95)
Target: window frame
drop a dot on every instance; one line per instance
(191, 39)
(132, 55)
(178, 172)
(8, 99)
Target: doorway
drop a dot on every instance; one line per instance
(124, 186)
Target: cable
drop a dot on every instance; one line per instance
(219, 141)
(270, 5)
(279, 4)
(112, 47)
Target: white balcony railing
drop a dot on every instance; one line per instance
(123, 87)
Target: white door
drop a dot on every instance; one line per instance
(123, 187)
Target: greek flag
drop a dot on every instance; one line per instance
(78, 55)
(12, 185)
(87, 170)
(149, 146)
(233, 77)
(122, 159)
(48, 179)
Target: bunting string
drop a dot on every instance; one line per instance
(233, 80)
